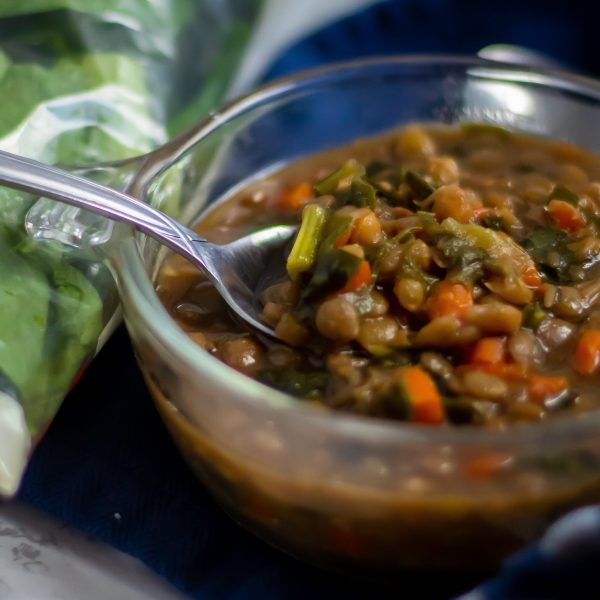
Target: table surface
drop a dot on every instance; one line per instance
(39, 557)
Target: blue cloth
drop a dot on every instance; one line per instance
(563, 565)
(566, 31)
(107, 467)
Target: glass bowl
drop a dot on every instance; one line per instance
(362, 495)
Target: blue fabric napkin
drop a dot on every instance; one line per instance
(107, 467)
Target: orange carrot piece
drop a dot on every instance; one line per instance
(423, 396)
(565, 215)
(586, 358)
(532, 277)
(294, 197)
(449, 299)
(343, 239)
(543, 387)
(361, 277)
(489, 351)
(511, 371)
(487, 465)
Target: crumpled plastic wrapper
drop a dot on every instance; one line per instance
(84, 82)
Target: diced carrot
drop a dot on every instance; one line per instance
(565, 215)
(532, 277)
(422, 395)
(361, 277)
(542, 387)
(449, 299)
(511, 371)
(586, 359)
(487, 465)
(295, 196)
(489, 351)
(343, 239)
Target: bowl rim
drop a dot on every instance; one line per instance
(132, 274)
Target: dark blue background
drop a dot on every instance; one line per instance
(107, 451)
(564, 30)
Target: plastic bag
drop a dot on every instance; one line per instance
(84, 82)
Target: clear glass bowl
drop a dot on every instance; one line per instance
(338, 490)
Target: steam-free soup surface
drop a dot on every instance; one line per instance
(440, 276)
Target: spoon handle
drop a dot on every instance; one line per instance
(43, 180)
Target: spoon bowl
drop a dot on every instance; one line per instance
(236, 269)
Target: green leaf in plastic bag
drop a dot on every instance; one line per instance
(82, 82)
(77, 305)
(25, 302)
(132, 13)
(49, 324)
(87, 109)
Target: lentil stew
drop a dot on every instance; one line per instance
(440, 275)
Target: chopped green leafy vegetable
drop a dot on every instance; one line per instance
(493, 220)
(466, 411)
(497, 245)
(346, 173)
(560, 192)
(397, 402)
(548, 247)
(375, 167)
(359, 193)
(337, 226)
(302, 384)
(533, 315)
(409, 266)
(389, 190)
(332, 272)
(362, 194)
(466, 263)
(419, 186)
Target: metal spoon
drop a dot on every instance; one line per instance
(235, 269)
